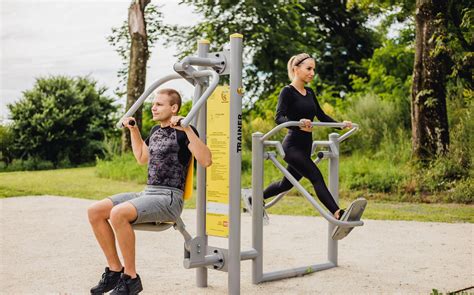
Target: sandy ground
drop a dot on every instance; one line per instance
(47, 247)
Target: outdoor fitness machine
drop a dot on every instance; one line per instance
(219, 187)
(259, 142)
(218, 192)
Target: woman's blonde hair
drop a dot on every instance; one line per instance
(296, 60)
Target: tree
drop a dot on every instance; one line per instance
(62, 119)
(443, 64)
(133, 41)
(275, 30)
(430, 133)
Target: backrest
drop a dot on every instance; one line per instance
(188, 185)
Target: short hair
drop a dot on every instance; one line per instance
(175, 97)
(296, 60)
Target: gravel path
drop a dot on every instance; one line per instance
(47, 247)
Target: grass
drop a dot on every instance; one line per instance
(84, 183)
(74, 182)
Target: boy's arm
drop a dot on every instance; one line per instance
(140, 149)
(200, 151)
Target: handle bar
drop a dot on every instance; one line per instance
(354, 128)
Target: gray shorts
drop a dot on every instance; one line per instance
(154, 204)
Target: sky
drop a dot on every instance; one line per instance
(68, 37)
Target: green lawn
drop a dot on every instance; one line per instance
(83, 183)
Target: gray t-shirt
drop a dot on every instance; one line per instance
(169, 157)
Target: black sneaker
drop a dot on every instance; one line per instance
(108, 281)
(128, 286)
(341, 214)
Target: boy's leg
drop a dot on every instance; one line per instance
(98, 214)
(121, 218)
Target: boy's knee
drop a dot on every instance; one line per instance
(98, 211)
(93, 213)
(120, 214)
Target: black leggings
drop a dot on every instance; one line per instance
(297, 147)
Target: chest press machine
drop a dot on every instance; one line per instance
(198, 254)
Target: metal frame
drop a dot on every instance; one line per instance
(259, 142)
(198, 254)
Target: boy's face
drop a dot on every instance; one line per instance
(161, 108)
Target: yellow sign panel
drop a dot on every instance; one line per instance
(217, 176)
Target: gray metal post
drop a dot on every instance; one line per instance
(334, 189)
(257, 198)
(235, 159)
(201, 272)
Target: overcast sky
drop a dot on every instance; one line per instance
(68, 37)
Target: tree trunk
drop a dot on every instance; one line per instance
(430, 133)
(138, 60)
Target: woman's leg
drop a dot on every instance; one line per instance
(306, 167)
(281, 186)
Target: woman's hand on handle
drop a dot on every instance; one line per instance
(305, 125)
(348, 124)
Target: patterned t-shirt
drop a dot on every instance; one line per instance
(169, 157)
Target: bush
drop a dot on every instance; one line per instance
(6, 141)
(62, 120)
(122, 167)
(463, 192)
(376, 118)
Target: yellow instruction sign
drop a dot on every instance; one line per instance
(217, 176)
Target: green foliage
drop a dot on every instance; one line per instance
(32, 163)
(62, 120)
(463, 192)
(389, 75)
(275, 30)
(376, 118)
(122, 167)
(6, 141)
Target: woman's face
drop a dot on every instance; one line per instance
(305, 70)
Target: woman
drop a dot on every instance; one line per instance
(298, 103)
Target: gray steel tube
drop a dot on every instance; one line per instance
(201, 272)
(214, 81)
(249, 254)
(257, 212)
(235, 162)
(145, 95)
(295, 272)
(208, 260)
(296, 123)
(201, 61)
(305, 193)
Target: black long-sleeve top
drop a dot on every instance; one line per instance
(293, 106)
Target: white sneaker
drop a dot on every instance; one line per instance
(266, 219)
(246, 195)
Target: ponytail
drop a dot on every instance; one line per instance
(295, 61)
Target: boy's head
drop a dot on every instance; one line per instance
(167, 103)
